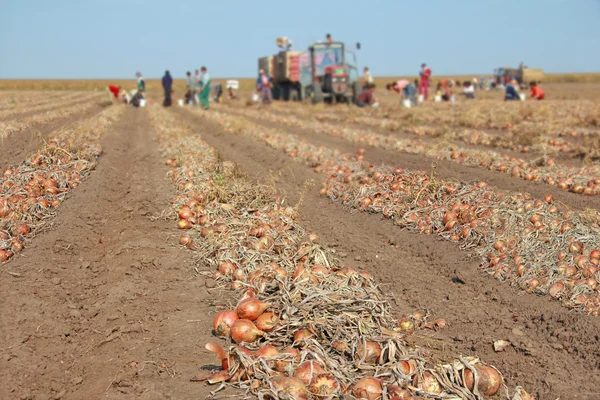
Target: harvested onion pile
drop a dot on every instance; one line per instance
(30, 192)
(536, 245)
(304, 326)
(581, 180)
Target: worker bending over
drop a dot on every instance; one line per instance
(536, 91)
(367, 97)
(512, 91)
(406, 90)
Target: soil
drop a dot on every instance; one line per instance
(104, 305)
(16, 147)
(443, 168)
(555, 352)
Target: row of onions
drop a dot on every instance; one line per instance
(22, 98)
(536, 245)
(31, 191)
(303, 325)
(49, 104)
(8, 127)
(554, 119)
(582, 180)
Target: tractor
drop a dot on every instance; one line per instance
(327, 72)
(523, 75)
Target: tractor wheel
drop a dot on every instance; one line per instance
(356, 89)
(317, 96)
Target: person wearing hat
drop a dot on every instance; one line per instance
(263, 85)
(406, 90)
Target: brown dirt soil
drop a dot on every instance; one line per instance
(104, 304)
(17, 146)
(443, 168)
(555, 352)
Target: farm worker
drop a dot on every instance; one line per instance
(263, 85)
(536, 91)
(284, 43)
(367, 78)
(191, 88)
(406, 89)
(217, 90)
(113, 91)
(204, 95)
(367, 97)
(475, 83)
(232, 95)
(197, 79)
(167, 84)
(141, 84)
(512, 92)
(425, 76)
(469, 90)
(135, 101)
(329, 38)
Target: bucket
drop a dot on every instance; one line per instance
(255, 97)
(522, 96)
(421, 98)
(142, 102)
(437, 99)
(180, 102)
(406, 103)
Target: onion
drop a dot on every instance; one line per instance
(302, 335)
(186, 240)
(266, 322)
(16, 245)
(244, 330)
(370, 352)
(408, 367)
(397, 393)
(324, 386)
(184, 224)
(284, 365)
(406, 324)
(223, 322)
(249, 293)
(218, 377)
(227, 268)
(427, 382)
(266, 351)
(251, 308)
(21, 229)
(489, 382)
(556, 289)
(4, 255)
(292, 388)
(307, 371)
(367, 388)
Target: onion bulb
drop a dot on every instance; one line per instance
(4, 255)
(266, 322)
(284, 365)
(244, 330)
(21, 229)
(307, 371)
(223, 322)
(251, 308)
(397, 393)
(186, 240)
(370, 352)
(427, 382)
(489, 382)
(324, 386)
(290, 388)
(302, 335)
(266, 351)
(184, 224)
(367, 388)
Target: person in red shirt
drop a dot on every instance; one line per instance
(425, 77)
(115, 90)
(367, 97)
(536, 91)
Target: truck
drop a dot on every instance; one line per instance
(326, 72)
(523, 75)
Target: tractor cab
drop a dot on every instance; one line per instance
(331, 75)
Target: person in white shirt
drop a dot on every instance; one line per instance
(367, 78)
(469, 90)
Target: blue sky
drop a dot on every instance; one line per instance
(114, 38)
